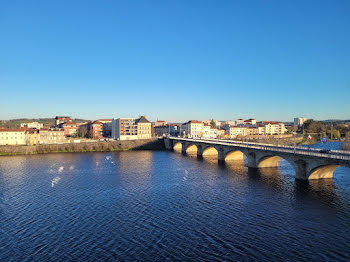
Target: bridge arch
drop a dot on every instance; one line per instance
(269, 161)
(324, 171)
(210, 151)
(177, 147)
(234, 155)
(191, 149)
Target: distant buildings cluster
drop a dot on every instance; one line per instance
(231, 129)
(35, 133)
(65, 129)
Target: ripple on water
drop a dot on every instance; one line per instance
(149, 206)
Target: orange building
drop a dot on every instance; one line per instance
(97, 129)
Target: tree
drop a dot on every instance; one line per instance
(336, 134)
(82, 132)
(212, 123)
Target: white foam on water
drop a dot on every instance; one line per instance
(60, 169)
(55, 181)
(71, 167)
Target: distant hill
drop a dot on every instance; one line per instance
(336, 121)
(15, 123)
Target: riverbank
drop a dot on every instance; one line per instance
(101, 146)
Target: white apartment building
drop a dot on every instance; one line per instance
(10, 136)
(192, 128)
(35, 125)
(299, 121)
(236, 131)
(213, 133)
(208, 132)
(240, 121)
(230, 122)
(273, 128)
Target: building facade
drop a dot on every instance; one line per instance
(52, 136)
(299, 121)
(107, 127)
(59, 120)
(33, 137)
(235, 131)
(35, 125)
(124, 129)
(12, 136)
(192, 128)
(96, 129)
(70, 128)
(160, 123)
(171, 129)
(144, 128)
(273, 128)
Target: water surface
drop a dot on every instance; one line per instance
(157, 206)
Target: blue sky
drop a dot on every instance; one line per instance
(175, 60)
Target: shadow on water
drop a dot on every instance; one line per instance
(322, 191)
(279, 179)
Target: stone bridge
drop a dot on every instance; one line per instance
(308, 163)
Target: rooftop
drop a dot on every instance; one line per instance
(142, 119)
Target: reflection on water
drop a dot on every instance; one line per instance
(148, 206)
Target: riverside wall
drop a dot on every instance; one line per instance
(101, 146)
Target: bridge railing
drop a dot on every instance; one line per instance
(268, 147)
(282, 146)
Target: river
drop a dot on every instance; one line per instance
(158, 205)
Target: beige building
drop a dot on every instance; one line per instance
(273, 128)
(32, 137)
(251, 131)
(236, 131)
(220, 132)
(52, 136)
(261, 129)
(192, 128)
(35, 125)
(160, 123)
(10, 136)
(144, 128)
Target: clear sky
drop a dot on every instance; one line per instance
(175, 60)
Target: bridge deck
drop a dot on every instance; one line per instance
(333, 154)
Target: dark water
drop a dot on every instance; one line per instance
(158, 206)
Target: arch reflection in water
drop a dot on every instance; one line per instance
(321, 192)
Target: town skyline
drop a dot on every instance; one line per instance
(172, 121)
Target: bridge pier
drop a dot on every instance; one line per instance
(221, 155)
(183, 148)
(199, 152)
(251, 157)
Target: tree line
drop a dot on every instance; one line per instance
(321, 129)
